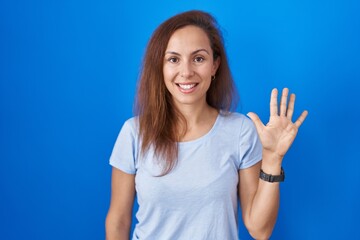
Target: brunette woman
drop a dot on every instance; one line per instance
(186, 155)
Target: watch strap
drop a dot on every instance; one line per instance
(272, 178)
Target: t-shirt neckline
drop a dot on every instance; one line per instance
(206, 135)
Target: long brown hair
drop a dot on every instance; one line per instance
(159, 119)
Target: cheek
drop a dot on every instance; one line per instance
(168, 78)
(206, 73)
(168, 73)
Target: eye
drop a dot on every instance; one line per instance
(173, 59)
(199, 59)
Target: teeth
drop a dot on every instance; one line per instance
(186, 86)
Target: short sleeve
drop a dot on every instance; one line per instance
(123, 155)
(250, 148)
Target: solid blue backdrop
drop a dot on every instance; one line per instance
(68, 72)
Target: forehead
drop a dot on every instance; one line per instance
(188, 38)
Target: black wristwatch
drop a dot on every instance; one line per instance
(272, 178)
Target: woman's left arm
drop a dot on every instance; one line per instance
(260, 199)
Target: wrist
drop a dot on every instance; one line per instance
(271, 163)
(271, 169)
(272, 156)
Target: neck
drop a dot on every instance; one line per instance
(197, 114)
(199, 118)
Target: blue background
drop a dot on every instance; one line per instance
(68, 72)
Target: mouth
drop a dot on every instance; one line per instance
(186, 88)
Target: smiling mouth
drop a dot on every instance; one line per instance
(186, 86)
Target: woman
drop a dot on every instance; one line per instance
(186, 156)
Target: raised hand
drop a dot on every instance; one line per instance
(279, 133)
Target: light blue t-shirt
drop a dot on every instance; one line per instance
(198, 198)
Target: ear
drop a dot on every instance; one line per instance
(215, 66)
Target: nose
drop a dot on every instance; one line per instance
(186, 70)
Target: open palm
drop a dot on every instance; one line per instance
(279, 133)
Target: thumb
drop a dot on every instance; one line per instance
(255, 118)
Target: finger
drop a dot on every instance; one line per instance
(284, 97)
(258, 123)
(290, 110)
(301, 119)
(273, 102)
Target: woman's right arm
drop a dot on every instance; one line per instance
(118, 219)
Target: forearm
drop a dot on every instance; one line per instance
(117, 231)
(265, 205)
(117, 235)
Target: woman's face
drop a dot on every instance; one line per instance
(189, 66)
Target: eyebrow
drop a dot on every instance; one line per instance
(194, 52)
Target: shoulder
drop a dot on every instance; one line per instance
(129, 129)
(235, 118)
(131, 124)
(236, 124)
